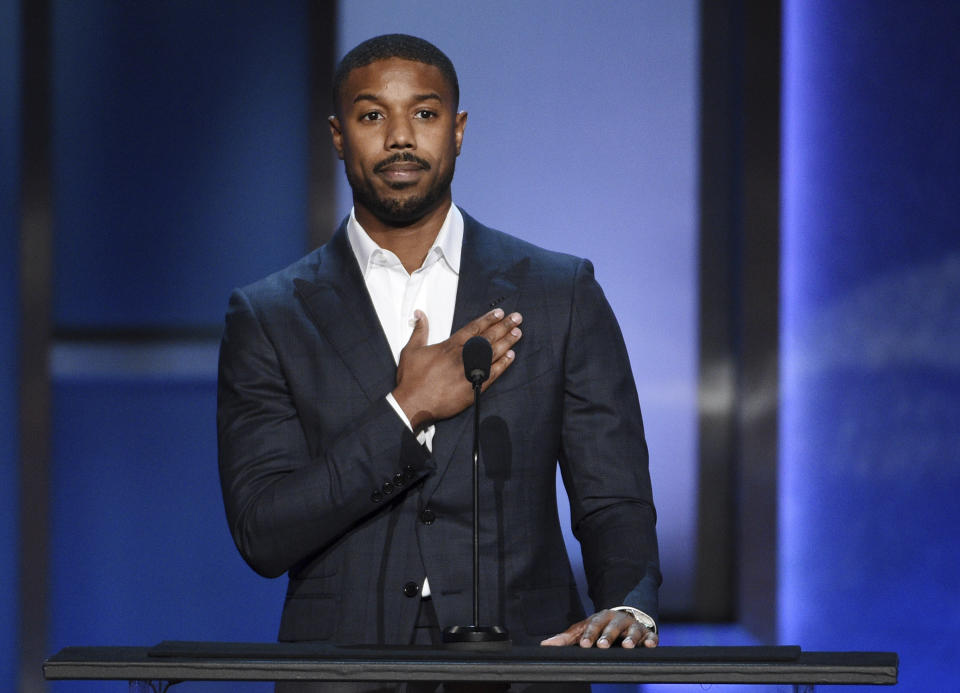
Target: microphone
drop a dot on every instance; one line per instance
(477, 358)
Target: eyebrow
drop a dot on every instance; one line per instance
(428, 96)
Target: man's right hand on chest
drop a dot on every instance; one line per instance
(430, 382)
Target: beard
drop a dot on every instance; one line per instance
(399, 210)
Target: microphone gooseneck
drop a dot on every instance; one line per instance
(477, 359)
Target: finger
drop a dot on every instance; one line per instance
(635, 634)
(567, 637)
(560, 640)
(498, 367)
(651, 639)
(509, 336)
(595, 626)
(616, 626)
(502, 329)
(476, 326)
(421, 329)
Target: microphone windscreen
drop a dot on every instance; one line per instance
(477, 355)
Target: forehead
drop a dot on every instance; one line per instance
(395, 78)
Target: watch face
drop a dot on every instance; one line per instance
(644, 619)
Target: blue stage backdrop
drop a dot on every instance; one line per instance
(180, 151)
(870, 418)
(180, 159)
(9, 331)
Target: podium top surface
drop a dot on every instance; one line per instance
(221, 661)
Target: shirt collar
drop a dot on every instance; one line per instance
(447, 244)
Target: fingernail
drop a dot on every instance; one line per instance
(628, 642)
(498, 313)
(516, 332)
(510, 354)
(517, 318)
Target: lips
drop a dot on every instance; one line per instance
(401, 163)
(398, 178)
(400, 168)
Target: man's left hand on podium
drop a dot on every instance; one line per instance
(604, 629)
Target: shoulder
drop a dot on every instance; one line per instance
(498, 247)
(331, 263)
(282, 283)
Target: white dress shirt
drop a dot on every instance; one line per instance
(432, 288)
(396, 294)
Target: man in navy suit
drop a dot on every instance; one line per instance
(344, 414)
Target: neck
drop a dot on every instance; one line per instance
(410, 242)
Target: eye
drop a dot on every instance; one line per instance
(425, 114)
(371, 116)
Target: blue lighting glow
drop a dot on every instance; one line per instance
(870, 333)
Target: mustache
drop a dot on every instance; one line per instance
(401, 157)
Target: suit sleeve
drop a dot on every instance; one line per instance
(604, 458)
(285, 503)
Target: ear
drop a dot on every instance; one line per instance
(459, 127)
(336, 132)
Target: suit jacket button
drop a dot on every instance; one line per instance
(428, 516)
(376, 496)
(411, 589)
(387, 488)
(398, 480)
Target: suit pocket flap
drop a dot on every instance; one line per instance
(321, 586)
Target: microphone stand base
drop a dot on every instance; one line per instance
(476, 638)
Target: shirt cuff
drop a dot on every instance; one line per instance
(396, 407)
(424, 437)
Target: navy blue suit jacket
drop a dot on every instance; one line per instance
(322, 480)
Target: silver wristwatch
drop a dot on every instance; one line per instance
(642, 618)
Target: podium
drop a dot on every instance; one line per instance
(220, 661)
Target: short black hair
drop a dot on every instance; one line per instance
(394, 46)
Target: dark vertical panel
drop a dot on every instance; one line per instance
(9, 335)
(35, 280)
(739, 261)
(322, 166)
(760, 291)
(719, 222)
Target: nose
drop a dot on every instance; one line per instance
(400, 135)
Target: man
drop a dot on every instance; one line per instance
(343, 418)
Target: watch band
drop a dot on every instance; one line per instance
(642, 618)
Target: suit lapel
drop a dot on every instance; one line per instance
(488, 279)
(339, 304)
